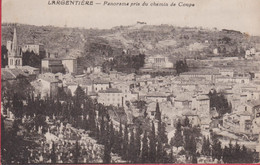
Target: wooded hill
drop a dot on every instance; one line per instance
(94, 45)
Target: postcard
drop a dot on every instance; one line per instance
(130, 81)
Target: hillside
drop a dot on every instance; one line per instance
(92, 45)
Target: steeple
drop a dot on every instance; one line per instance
(15, 55)
(14, 46)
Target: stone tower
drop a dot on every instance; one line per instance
(15, 55)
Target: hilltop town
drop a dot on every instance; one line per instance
(134, 94)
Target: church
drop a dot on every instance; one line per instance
(14, 52)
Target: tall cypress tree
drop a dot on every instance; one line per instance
(107, 149)
(216, 149)
(152, 145)
(53, 155)
(76, 153)
(193, 145)
(111, 135)
(226, 155)
(138, 143)
(17, 106)
(159, 151)
(145, 149)
(92, 121)
(79, 95)
(120, 139)
(107, 153)
(125, 144)
(131, 147)
(163, 134)
(231, 151)
(206, 146)
(157, 112)
(171, 159)
(194, 159)
(237, 153)
(177, 140)
(102, 131)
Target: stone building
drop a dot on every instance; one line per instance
(14, 52)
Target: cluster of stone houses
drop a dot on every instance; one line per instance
(178, 96)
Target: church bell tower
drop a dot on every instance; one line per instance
(15, 54)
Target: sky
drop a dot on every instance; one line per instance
(242, 15)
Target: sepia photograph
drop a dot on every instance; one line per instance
(130, 82)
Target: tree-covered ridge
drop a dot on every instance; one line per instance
(95, 44)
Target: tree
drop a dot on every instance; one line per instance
(17, 106)
(131, 148)
(161, 126)
(4, 57)
(247, 155)
(237, 153)
(219, 101)
(53, 155)
(171, 159)
(205, 147)
(181, 66)
(31, 59)
(145, 149)
(138, 142)
(111, 135)
(3, 135)
(231, 152)
(152, 145)
(177, 140)
(61, 93)
(186, 122)
(102, 131)
(125, 63)
(76, 153)
(157, 112)
(107, 143)
(226, 155)
(120, 139)
(162, 132)
(140, 104)
(107, 153)
(92, 121)
(192, 146)
(125, 144)
(194, 159)
(79, 95)
(159, 151)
